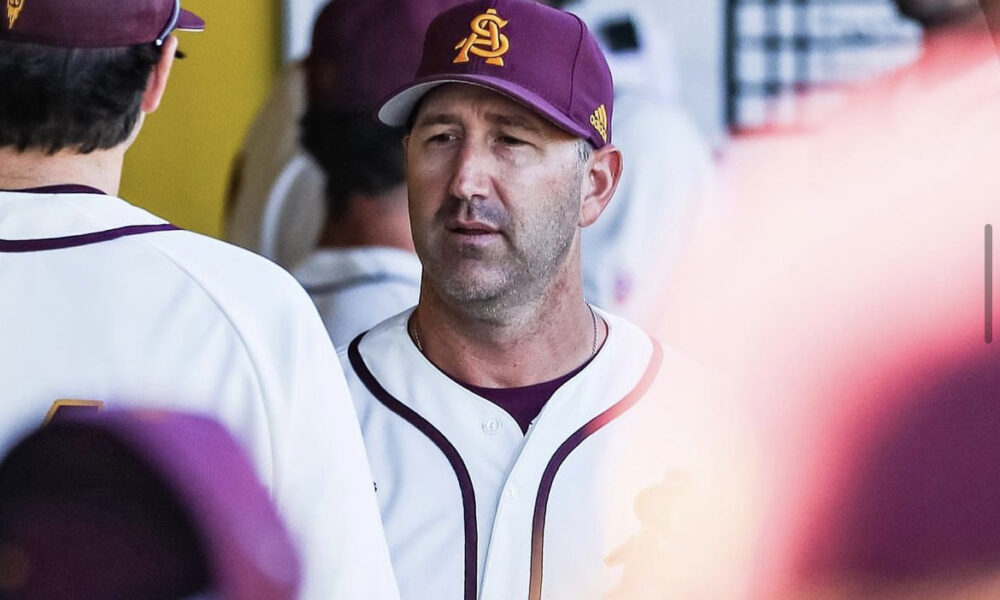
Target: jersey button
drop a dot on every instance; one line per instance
(510, 493)
(492, 426)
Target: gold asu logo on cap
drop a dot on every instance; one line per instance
(600, 121)
(486, 33)
(13, 11)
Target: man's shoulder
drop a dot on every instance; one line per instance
(252, 293)
(223, 266)
(374, 344)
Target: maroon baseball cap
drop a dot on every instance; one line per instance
(542, 57)
(139, 504)
(95, 23)
(364, 49)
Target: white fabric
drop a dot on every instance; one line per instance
(277, 205)
(591, 513)
(299, 16)
(668, 179)
(356, 288)
(176, 320)
(667, 186)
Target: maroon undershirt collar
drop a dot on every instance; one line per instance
(524, 403)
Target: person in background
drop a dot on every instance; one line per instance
(364, 269)
(670, 182)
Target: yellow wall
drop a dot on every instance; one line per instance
(179, 167)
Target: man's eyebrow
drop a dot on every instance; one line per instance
(430, 119)
(513, 121)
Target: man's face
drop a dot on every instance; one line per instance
(495, 196)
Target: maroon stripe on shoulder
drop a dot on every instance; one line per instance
(73, 241)
(449, 451)
(563, 452)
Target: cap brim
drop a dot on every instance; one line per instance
(396, 111)
(188, 21)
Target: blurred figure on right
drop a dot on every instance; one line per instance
(914, 513)
(909, 509)
(846, 306)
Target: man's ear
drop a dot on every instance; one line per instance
(157, 82)
(604, 171)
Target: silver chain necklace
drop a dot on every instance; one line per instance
(593, 318)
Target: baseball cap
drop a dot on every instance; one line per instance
(95, 23)
(364, 49)
(138, 504)
(542, 57)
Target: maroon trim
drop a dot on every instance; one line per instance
(449, 451)
(73, 241)
(66, 188)
(563, 452)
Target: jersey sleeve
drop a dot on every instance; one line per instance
(321, 478)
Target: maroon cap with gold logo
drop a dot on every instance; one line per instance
(541, 57)
(94, 23)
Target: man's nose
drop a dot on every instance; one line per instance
(471, 179)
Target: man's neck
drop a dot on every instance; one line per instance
(541, 342)
(101, 169)
(380, 220)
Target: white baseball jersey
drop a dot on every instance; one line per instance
(357, 288)
(472, 508)
(104, 302)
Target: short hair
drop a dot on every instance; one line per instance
(358, 154)
(584, 150)
(80, 99)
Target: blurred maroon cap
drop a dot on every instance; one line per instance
(138, 505)
(364, 49)
(920, 500)
(94, 23)
(542, 57)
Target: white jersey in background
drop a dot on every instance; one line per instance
(473, 508)
(668, 182)
(103, 302)
(356, 288)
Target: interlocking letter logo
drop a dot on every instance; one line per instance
(600, 121)
(486, 40)
(13, 11)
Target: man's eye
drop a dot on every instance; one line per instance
(441, 138)
(511, 141)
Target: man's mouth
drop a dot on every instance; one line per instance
(472, 228)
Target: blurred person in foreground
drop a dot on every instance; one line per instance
(364, 269)
(139, 505)
(844, 306)
(104, 304)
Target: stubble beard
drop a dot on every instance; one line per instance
(517, 276)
